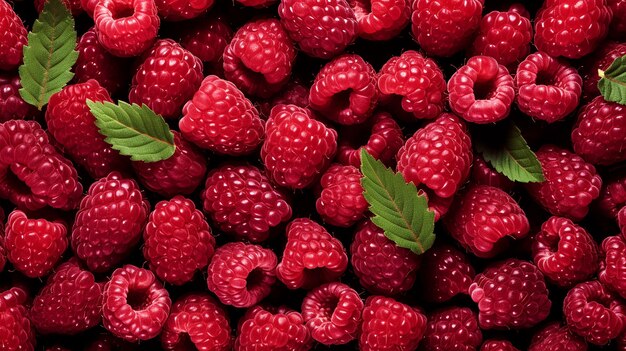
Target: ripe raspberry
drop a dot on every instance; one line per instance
(414, 83)
(571, 183)
(445, 28)
(548, 89)
(72, 125)
(381, 19)
(241, 201)
(74, 6)
(381, 266)
(452, 328)
(332, 313)
(135, 305)
(554, 337)
(13, 37)
(126, 28)
(601, 60)
(241, 274)
(564, 252)
(341, 202)
(220, 118)
(322, 28)
(612, 271)
(12, 106)
(483, 173)
(613, 195)
(16, 331)
(196, 320)
(178, 10)
(571, 28)
(259, 58)
(297, 148)
(594, 313)
(109, 222)
(482, 91)
(498, 345)
(345, 90)
(446, 272)
(69, 303)
(261, 330)
(311, 257)
(206, 38)
(178, 241)
(617, 29)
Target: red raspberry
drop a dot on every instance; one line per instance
(197, 320)
(297, 148)
(571, 183)
(413, 82)
(72, 125)
(345, 90)
(452, 328)
(109, 222)
(618, 24)
(126, 27)
(381, 19)
(73, 5)
(554, 337)
(241, 274)
(311, 257)
(446, 272)
(13, 37)
(135, 305)
(483, 173)
(322, 28)
(548, 89)
(482, 91)
(294, 93)
(381, 266)
(241, 201)
(601, 60)
(613, 195)
(69, 303)
(178, 10)
(12, 106)
(220, 118)
(594, 313)
(16, 331)
(443, 28)
(178, 241)
(261, 330)
(206, 38)
(332, 313)
(341, 202)
(498, 345)
(89, 6)
(259, 58)
(612, 271)
(571, 28)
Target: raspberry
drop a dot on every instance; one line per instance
(178, 10)
(72, 125)
(16, 331)
(89, 6)
(548, 89)
(554, 337)
(381, 266)
(601, 60)
(482, 91)
(259, 58)
(256, 3)
(414, 83)
(167, 78)
(196, 320)
(107, 342)
(220, 118)
(452, 328)
(109, 222)
(241, 274)
(126, 28)
(206, 38)
(297, 148)
(69, 303)
(446, 272)
(570, 183)
(332, 313)
(135, 306)
(381, 19)
(178, 241)
(612, 271)
(341, 202)
(261, 330)
(498, 345)
(294, 93)
(613, 195)
(321, 28)
(345, 90)
(617, 29)
(12, 106)
(571, 28)
(13, 37)
(443, 28)
(241, 201)
(311, 257)
(484, 174)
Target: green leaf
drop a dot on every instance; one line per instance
(398, 209)
(49, 55)
(134, 130)
(612, 83)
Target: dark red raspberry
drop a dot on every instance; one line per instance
(548, 89)
(196, 320)
(220, 118)
(107, 342)
(73, 5)
(332, 313)
(241, 274)
(297, 148)
(126, 27)
(341, 202)
(600, 60)
(498, 345)
(256, 3)
(16, 331)
(483, 173)
(241, 201)
(109, 222)
(178, 241)
(621, 221)
(612, 271)
(12, 106)
(555, 337)
(294, 93)
(613, 195)
(452, 328)
(618, 24)
(178, 10)
(322, 28)
(135, 305)
(259, 58)
(311, 257)
(261, 329)
(381, 19)
(206, 38)
(446, 272)
(13, 37)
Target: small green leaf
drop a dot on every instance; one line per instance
(49, 55)
(398, 209)
(612, 83)
(134, 130)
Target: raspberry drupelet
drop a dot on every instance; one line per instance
(268, 329)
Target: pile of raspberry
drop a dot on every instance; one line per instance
(255, 234)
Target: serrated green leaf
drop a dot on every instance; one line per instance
(612, 83)
(134, 130)
(49, 55)
(398, 209)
